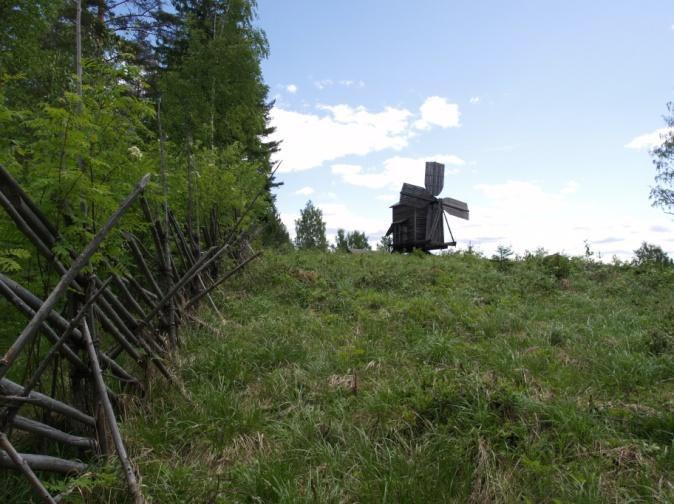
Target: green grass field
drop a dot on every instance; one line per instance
(390, 378)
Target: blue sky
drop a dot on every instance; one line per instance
(543, 113)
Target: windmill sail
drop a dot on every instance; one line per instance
(455, 207)
(435, 177)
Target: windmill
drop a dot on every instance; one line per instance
(418, 216)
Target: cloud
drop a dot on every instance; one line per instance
(291, 88)
(610, 239)
(437, 111)
(352, 83)
(531, 216)
(394, 172)
(570, 188)
(389, 198)
(519, 198)
(323, 83)
(309, 140)
(305, 191)
(659, 229)
(650, 140)
(474, 100)
(331, 132)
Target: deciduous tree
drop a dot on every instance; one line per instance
(310, 229)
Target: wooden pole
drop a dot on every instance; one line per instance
(15, 392)
(44, 463)
(23, 466)
(110, 417)
(82, 260)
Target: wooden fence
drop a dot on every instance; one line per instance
(107, 333)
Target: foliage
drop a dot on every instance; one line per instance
(557, 265)
(503, 256)
(9, 259)
(649, 255)
(310, 229)
(79, 155)
(662, 194)
(385, 244)
(351, 240)
(275, 234)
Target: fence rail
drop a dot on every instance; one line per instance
(105, 334)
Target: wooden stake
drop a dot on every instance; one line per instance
(110, 417)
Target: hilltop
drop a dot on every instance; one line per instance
(391, 378)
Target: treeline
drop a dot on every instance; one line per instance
(310, 234)
(96, 93)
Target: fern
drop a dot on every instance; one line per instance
(9, 259)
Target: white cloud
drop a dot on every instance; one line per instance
(517, 197)
(323, 83)
(650, 140)
(339, 215)
(475, 100)
(305, 191)
(349, 83)
(527, 216)
(308, 140)
(291, 88)
(352, 83)
(437, 111)
(335, 131)
(570, 188)
(390, 198)
(394, 172)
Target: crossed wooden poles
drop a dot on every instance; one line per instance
(137, 313)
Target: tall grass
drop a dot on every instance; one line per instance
(388, 378)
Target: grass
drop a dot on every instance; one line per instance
(389, 378)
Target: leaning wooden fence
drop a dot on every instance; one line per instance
(113, 334)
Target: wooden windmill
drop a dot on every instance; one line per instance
(418, 216)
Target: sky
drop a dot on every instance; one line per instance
(542, 112)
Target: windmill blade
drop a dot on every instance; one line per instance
(455, 207)
(435, 177)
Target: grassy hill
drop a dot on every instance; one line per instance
(389, 378)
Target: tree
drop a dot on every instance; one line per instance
(662, 195)
(357, 240)
(310, 229)
(651, 255)
(385, 244)
(274, 233)
(351, 240)
(341, 244)
(502, 257)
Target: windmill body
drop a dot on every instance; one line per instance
(419, 216)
